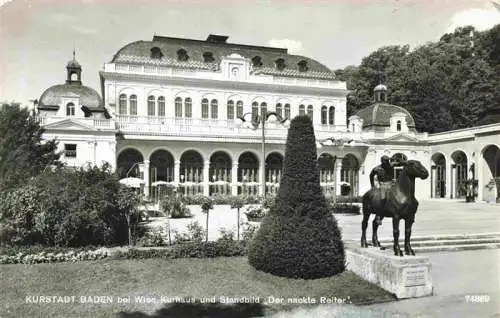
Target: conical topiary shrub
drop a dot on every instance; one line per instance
(299, 237)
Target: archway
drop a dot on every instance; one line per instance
(248, 173)
(128, 164)
(349, 174)
(326, 165)
(220, 173)
(459, 172)
(161, 163)
(438, 172)
(191, 172)
(491, 173)
(274, 169)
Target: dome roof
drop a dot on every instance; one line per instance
(73, 63)
(51, 97)
(380, 114)
(380, 87)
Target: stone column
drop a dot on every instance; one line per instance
(433, 181)
(146, 178)
(338, 175)
(92, 151)
(234, 179)
(453, 170)
(206, 178)
(480, 177)
(177, 172)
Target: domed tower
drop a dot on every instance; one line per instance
(74, 72)
(72, 99)
(382, 117)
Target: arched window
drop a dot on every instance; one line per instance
(263, 108)
(324, 115)
(70, 109)
(310, 111)
(122, 105)
(398, 125)
(188, 107)
(178, 107)
(302, 110)
(161, 106)
(255, 110)
(204, 108)
(331, 115)
(230, 109)
(151, 106)
(279, 109)
(214, 109)
(133, 105)
(239, 108)
(287, 111)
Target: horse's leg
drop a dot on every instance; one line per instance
(395, 233)
(408, 224)
(376, 223)
(364, 225)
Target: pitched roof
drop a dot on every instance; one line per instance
(140, 52)
(379, 114)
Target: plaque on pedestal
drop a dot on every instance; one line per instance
(405, 277)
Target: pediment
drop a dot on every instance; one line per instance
(69, 124)
(402, 138)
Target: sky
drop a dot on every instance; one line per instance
(37, 37)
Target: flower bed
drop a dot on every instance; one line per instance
(255, 213)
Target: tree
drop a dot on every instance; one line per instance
(23, 152)
(299, 237)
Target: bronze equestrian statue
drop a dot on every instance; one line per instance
(400, 203)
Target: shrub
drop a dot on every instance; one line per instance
(255, 212)
(345, 199)
(194, 233)
(343, 208)
(299, 237)
(67, 208)
(152, 239)
(175, 208)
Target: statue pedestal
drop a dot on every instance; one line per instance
(405, 277)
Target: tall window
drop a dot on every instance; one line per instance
(239, 108)
(70, 109)
(324, 115)
(310, 111)
(263, 108)
(204, 108)
(230, 109)
(302, 110)
(255, 110)
(178, 107)
(161, 106)
(151, 106)
(122, 105)
(287, 111)
(133, 105)
(398, 125)
(279, 110)
(331, 115)
(214, 109)
(188, 107)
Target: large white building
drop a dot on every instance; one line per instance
(169, 114)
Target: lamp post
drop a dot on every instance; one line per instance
(340, 143)
(262, 119)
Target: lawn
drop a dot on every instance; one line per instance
(159, 280)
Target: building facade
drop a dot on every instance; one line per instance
(169, 115)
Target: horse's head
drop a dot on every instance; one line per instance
(415, 169)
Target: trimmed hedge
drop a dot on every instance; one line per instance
(299, 237)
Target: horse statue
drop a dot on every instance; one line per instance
(400, 203)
